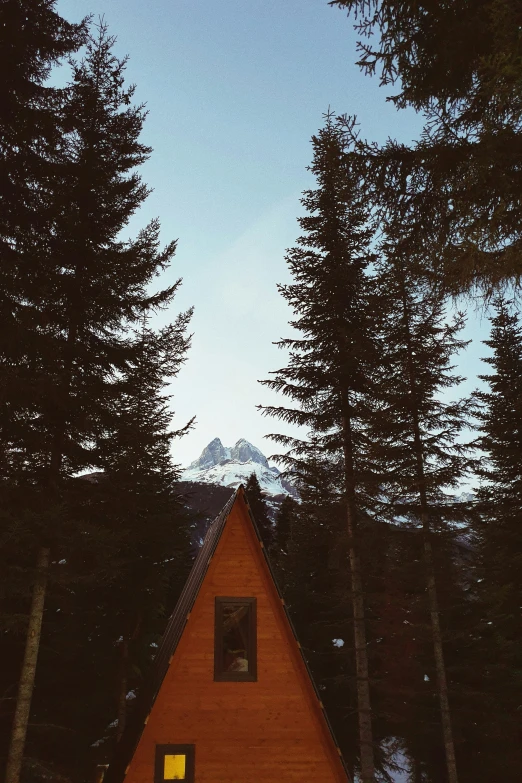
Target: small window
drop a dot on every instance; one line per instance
(235, 640)
(174, 762)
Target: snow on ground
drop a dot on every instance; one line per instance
(232, 474)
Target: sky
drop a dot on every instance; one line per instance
(234, 90)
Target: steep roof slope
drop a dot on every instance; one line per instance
(301, 707)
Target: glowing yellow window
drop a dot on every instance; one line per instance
(174, 766)
(174, 762)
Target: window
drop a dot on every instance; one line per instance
(174, 762)
(235, 640)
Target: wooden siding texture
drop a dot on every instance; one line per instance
(269, 730)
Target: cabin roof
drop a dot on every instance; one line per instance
(172, 635)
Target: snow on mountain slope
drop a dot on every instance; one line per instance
(231, 466)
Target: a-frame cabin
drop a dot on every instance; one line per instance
(231, 699)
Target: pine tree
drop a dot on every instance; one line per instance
(33, 38)
(458, 187)
(97, 283)
(259, 508)
(415, 434)
(500, 494)
(407, 42)
(499, 533)
(96, 286)
(105, 615)
(330, 366)
(139, 500)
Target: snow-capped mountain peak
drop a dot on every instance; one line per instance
(243, 451)
(231, 466)
(211, 455)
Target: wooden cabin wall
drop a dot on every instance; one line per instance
(269, 730)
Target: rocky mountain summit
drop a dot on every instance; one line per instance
(230, 466)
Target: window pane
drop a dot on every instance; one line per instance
(236, 628)
(174, 767)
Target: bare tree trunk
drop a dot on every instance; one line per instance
(122, 694)
(359, 623)
(25, 688)
(439, 658)
(440, 668)
(99, 773)
(124, 669)
(361, 663)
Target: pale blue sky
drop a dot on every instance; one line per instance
(235, 89)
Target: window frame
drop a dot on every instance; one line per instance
(189, 751)
(219, 674)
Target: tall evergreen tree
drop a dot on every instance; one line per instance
(105, 615)
(96, 285)
(459, 186)
(139, 500)
(415, 439)
(330, 368)
(500, 495)
(33, 38)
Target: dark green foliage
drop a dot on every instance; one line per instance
(331, 297)
(418, 344)
(283, 524)
(499, 529)
(500, 493)
(88, 287)
(257, 503)
(205, 502)
(83, 390)
(415, 434)
(443, 53)
(102, 283)
(456, 191)
(137, 501)
(33, 38)
(332, 363)
(88, 284)
(418, 347)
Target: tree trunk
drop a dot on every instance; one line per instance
(25, 688)
(438, 653)
(99, 772)
(361, 663)
(122, 694)
(359, 624)
(442, 685)
(124, 670)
